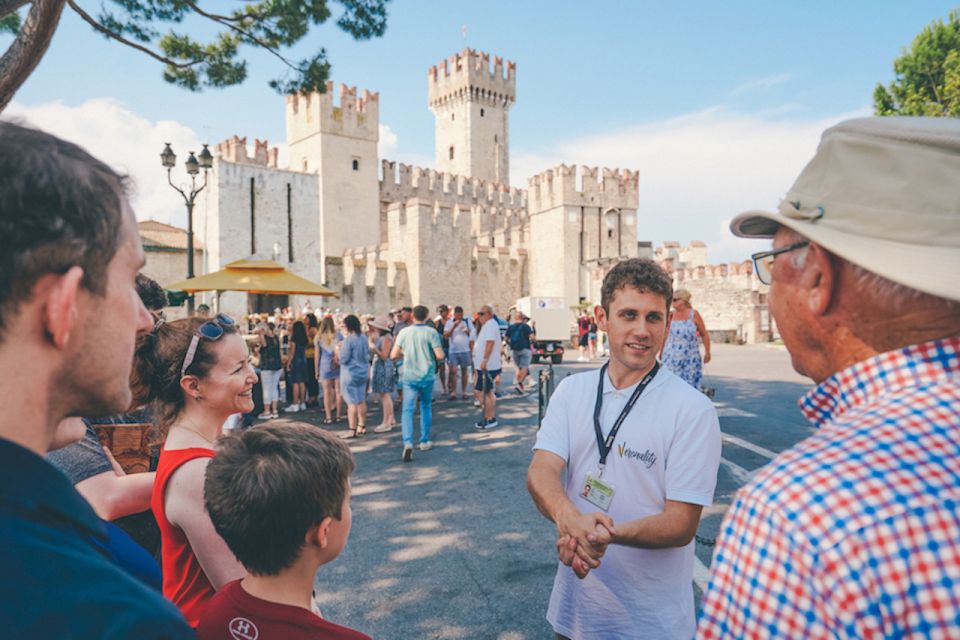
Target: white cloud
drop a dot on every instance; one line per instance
(697, 171)
(389, 149)
(127, 142)
(760, 84)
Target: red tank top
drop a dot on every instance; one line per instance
(184, 582)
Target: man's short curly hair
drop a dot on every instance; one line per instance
(642, 274)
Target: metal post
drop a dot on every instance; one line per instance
(190, 251)
(544, 391)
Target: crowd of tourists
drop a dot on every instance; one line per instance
(853, 532)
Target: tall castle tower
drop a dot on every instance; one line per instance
(470, 103)
(339, 144)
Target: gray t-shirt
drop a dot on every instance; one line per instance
(81, 460)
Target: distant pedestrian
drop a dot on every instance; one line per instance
(328, 369)
(296, 363)
(487, 361)
(419, 346)
(354, 375)
(271, 366)
(384, 381)
(440, 324)
(461, 334)
(583, 335)
(681, 353)
(520, 336)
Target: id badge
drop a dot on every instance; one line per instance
(597, 491)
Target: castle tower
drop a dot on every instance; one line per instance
(470, 103)
(580, 226)
(339, 144)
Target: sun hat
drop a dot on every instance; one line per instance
(382, 322)
(884, 194)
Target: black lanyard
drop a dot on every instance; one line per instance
(606, 445)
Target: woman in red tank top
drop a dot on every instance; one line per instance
(198, 374)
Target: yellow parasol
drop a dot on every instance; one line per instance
(253, 276)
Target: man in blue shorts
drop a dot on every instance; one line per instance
(462, 335)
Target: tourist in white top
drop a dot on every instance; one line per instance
(486, 360)
(626, 527)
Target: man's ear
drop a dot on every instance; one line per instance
(818, 278)
(318, 535)
(60, 311)
(602, 319)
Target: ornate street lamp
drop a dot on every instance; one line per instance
(193, 165)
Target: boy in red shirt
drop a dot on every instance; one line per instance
(279, 495)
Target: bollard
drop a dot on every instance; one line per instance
(544, 391)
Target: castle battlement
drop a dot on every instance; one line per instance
(235, 150)
(353, 115)
(401, 182)
(467, 75)
(606, 188)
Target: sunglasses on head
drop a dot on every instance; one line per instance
(210, 330)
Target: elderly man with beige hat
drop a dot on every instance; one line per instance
(855, 531)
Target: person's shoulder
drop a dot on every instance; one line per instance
(124, 607)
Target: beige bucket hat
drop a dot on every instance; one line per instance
(884, 194)
(381, 322)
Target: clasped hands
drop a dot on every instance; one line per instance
(583, 539)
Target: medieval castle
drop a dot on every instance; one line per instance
(384, 234)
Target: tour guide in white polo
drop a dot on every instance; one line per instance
(641, 449)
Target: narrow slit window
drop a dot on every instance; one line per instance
(451, 152)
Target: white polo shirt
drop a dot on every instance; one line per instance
(668, 448)
(490, 331)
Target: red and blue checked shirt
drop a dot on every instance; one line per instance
(855, 531)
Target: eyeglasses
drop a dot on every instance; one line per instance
(210, 330)
(763, 261)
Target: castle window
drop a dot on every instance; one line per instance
(481, 112)
(493, 242)
(451, 153)
(453, 116)
(495, 141)
(356, 164)
(304, 164)
(610, 233)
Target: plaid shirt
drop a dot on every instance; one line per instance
(855, 531)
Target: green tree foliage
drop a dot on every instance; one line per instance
(156, 28)
(927, 79)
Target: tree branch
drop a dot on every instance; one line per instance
(227, 22)
(32, 41)
(115, 36)
(9, 6)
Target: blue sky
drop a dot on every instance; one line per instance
(718, 105)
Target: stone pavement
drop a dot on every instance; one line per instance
(451, 545)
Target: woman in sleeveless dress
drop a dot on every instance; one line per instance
(328, 369)
(196, 373)
(354, 375)
(384, 381)
(681, 353)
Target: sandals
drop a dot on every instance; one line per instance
(384, 428)
(350, 435)
(361, 430)
(328, 421)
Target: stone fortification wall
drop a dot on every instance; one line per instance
(311, 113)
(732, 302)
(561, 186)
(368, 283)
(498, 277)
(402, 181)
(469, 72)
(254, 210)
(235, 150)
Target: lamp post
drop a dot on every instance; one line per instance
(193, 165)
